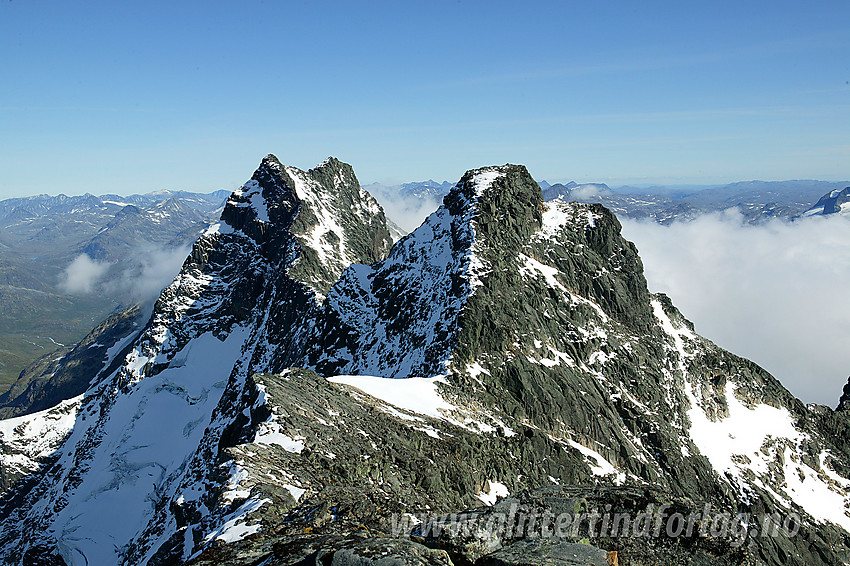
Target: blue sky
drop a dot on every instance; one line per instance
(139, 96)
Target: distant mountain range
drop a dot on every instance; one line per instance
(757, 201)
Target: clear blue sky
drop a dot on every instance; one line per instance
(138, 96)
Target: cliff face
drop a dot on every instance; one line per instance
(300, 386)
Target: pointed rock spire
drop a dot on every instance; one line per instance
(844, 401)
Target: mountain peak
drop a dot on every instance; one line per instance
(128, 210)
(836, 201)
(323, 212)
(331, 161)
(265, 200)
(508, 180)
(508, 202)
(271, 160)
(844, 401)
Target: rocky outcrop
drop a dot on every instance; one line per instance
(547, 553)
(833, 202)
(844, 401)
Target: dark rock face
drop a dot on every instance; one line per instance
(844, 401)
(832, 202)
(329, 549)
(386, 552)
(547, 553)
(546, 369)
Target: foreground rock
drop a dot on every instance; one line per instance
(547, 553)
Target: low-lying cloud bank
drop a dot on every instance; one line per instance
(776, 293)
(82, 275)
(407, 213)
(151, 270)
(139, 278)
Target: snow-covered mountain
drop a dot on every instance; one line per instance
(557, 191)
(301, 382)
(41, 205)
(834, 202)
(238, 304)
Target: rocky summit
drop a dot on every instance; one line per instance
(497, 388)
(833, 202)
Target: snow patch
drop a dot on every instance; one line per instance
(492, 492)
(253, 192)
(533, 268)
(482, 181)
(742, 434)
(819, 499)
(295, 491)
(26, 440)
(235, 528)
(557, 214)
(415, 394)
(598, 464)
(271, 433)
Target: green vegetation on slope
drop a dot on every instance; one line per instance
(35, 323)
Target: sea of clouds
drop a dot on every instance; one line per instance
(777, 293)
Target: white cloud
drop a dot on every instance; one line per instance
(777, 293)
(82, 275)
(586, 192)
(407, 212)
(140, 277)
(152, 269)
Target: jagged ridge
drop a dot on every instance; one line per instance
(549, 362)
(240, 299)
